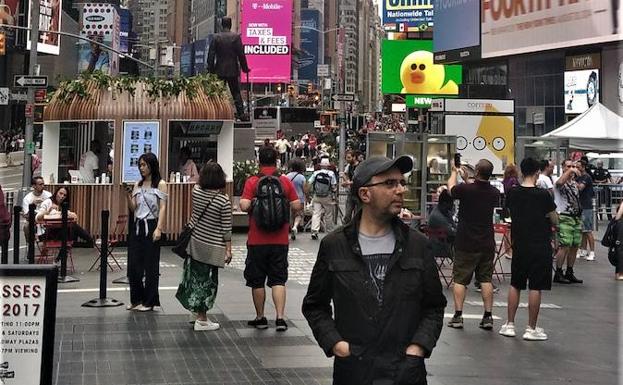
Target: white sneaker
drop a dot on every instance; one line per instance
(591, 256)
(581, 253)
(206, 325)
(508, 330)
(536, 334)
(192, 317)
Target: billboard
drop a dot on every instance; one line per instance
(483, 137)
(9, 15)
(581, 90)
(187, 60)
(266, 27)
(515, 27)
(408, 68)
(49, 20)
(407, 15)
(310, 39)
(200, 55)
(100, 22)
(457, 32)
(612, 74)
(125, 30)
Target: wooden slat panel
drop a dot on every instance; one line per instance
(88, 201)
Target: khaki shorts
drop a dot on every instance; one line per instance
(468, 264)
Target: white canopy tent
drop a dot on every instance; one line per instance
(597, 129)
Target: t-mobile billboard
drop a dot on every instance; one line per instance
(267, 35)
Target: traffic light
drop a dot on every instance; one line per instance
(2, 43)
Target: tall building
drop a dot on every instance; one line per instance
(205, 17)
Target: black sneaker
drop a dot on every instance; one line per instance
(456, 322)
(571, 277)
(281, 325)
(261, 323)
(486, 323)
(560, 278)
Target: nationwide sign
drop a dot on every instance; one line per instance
(408, 15)
(266, 27)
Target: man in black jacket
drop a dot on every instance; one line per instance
(226, 58)
(384, 285)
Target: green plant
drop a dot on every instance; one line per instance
(242, 171)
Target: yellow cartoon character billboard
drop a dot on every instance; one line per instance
(408, 68)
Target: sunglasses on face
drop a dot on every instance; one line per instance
(389, 183)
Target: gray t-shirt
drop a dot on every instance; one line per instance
(376, 252)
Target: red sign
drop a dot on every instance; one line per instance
(40, 96)
(29, 111)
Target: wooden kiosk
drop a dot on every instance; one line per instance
(188, 112)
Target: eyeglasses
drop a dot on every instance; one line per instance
(389, 183)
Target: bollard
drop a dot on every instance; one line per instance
(31, 233)
(17, 213)
(102, 301)
(62, 254)
(125, 280)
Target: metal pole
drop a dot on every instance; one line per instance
(17, 213)
(61, 33)
(342, 74)
(157, 37)
(32, 70)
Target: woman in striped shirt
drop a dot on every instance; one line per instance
(209, 246)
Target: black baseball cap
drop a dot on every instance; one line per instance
(377, 165)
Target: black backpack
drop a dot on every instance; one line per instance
(271, 209)
(322, 184)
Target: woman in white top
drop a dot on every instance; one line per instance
(147, 199)
(51, 209)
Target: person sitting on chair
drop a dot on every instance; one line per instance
(441, 221)
(51, 209)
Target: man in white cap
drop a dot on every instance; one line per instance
(323, 183)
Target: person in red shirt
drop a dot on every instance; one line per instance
(313, 142)
(267, 252)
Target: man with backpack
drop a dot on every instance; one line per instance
(323, 183)
(268, 198)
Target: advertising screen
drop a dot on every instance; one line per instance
(483, 137)
(200, 55)
(515, 27)
(581, 90)
(408, 15)
(457, 30)
(186, 60)
(100, 22)
(49, 20)
(9, 15)
(308, 60)
(138, 138)
(408, 68)
(266, 27)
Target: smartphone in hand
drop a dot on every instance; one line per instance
(457, 160)
(128, 188)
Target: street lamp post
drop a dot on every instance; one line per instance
(32, 70)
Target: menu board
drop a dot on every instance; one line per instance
(138, 138)
(28, 303)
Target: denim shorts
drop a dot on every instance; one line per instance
(587, 220)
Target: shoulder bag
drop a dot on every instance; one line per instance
(184, 239)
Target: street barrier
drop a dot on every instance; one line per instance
(125, 280)
(102, 301)
(63, 253)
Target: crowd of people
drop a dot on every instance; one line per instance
(356, 267)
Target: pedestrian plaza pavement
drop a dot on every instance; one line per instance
(113, 346)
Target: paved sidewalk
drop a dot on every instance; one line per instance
(113, 346)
